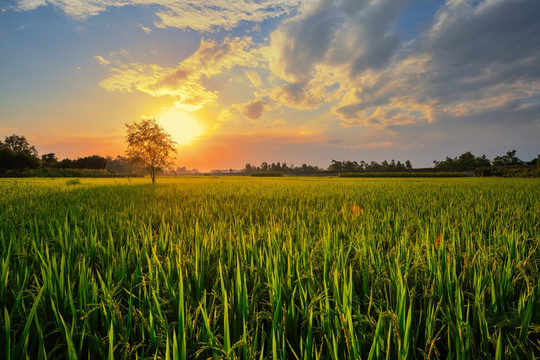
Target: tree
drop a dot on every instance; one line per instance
(17, 155)
(92, 162)
(66, 164)
(149, 142)
(249, 169)
(118, 165)
(466, 161)
(49, 160)
(18, 144)
(335, 166)
(510, 159)
(535, 161)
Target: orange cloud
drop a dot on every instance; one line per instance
(394, 112)
(375, 144)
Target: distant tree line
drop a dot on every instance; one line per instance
(335, 166)
(94, 162)
(372, 166)
(17, 155)
(468, 162)
(280, 167)
(465, 162)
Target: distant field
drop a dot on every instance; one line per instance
(262, 268)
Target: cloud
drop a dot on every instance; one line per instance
(321, 88)
(101, 60)
(254, 109)
(482, 49)
(295, 95)
(328, 48)
(145, 28)
(209, 15)
(253, 77)
(27, 5)
(202, 15)
(355, 33)
(472, 57)
(302, 42)
(185, 82)
(237, 113)
(475, 57)
(80, 9)
(375, 144)
(394, 112)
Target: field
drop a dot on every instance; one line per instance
(259, 268)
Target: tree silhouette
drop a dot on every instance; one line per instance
(510, 159)
(49, 160)
(148, 142)
(16, 154)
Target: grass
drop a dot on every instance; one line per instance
(247, 268)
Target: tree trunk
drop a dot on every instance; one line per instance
(153, 175)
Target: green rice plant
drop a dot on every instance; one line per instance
(253, 268)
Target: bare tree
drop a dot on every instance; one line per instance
(148, 142)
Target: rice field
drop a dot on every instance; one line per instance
(260, 268)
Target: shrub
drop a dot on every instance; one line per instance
(524, 172)
(73, 182)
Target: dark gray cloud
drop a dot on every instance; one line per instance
(476, 61)
(297, 95)
(304, 41)
(372, 25)
(478, 47)
(254, 109)
(475, 57)
(355, 33)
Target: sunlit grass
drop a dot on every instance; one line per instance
(270, 268)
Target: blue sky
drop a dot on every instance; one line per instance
(275, 80)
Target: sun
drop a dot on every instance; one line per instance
(183, 127)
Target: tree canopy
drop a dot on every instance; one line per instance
(16, 154)
(465, 162)
(18, 143)
(510, 159)
(151, 145)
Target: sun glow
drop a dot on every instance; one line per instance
(182, 126)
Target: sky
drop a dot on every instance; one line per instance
(295, 81)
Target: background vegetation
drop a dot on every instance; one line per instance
(148, 143)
